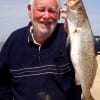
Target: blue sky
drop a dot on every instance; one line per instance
(13, 15)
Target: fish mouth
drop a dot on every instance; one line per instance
(72, 3)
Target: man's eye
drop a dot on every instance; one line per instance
(52, 10)
(49, 10)
(41, 10)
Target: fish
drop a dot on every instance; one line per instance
(82, 49)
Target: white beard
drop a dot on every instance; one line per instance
(42, 29)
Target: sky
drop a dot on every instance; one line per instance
(13, 15)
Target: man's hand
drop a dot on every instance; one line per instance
(63, 12)
(63, 15)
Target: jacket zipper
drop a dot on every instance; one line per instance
(39, 54)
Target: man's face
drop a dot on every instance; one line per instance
(44, 15)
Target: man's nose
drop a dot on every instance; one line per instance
(46, 14)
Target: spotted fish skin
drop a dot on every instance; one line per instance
(82, 46)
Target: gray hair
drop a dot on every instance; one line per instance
(58, 2)
(31, 1)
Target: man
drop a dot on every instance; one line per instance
(34, 62)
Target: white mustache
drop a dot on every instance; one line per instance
(46, 21)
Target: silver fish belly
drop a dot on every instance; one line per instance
(82, 47)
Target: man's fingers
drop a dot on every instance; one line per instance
(63, 12)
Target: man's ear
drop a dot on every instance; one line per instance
(29, 10)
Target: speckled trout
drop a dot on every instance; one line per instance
(82, 46)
